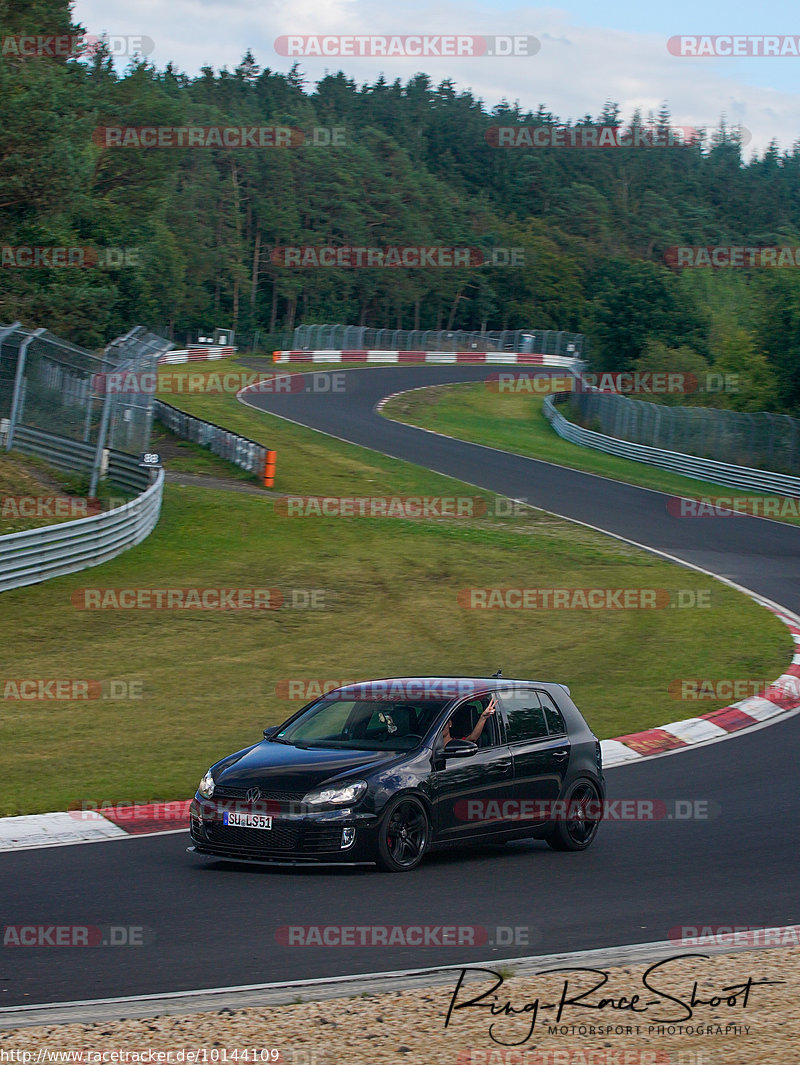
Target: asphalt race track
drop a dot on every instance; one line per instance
(209, 924)
(761, 555)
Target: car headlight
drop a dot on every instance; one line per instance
(336, 794)
(206, 786)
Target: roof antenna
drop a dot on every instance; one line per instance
(497, 675)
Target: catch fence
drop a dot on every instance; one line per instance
(762, 440)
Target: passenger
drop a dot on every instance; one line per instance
(473, 736)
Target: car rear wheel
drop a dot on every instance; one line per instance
(576, 830)
(403, 835)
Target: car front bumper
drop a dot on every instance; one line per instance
(310, 838)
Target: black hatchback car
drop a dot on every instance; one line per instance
(381, 771)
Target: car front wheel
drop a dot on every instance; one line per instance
(403, 835)
(578, 827)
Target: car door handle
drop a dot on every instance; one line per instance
(561, 754)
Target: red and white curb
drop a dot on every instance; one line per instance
(780, 697)
(92, 826)
(53, 830)
(196, 355)
(499, 358)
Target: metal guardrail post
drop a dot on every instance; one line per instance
(87, 426)
(18, 379)
(101, 443)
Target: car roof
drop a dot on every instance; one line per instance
(443, 686)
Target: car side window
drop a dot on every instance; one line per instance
(525, 717)
(553, 716)
(398, 720)
(487, 738)
(466, 717)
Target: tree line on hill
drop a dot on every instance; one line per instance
(573, 238)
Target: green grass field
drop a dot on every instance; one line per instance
(208, 679)
(33, 494)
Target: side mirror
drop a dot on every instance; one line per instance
(270, 731)
(460, 749)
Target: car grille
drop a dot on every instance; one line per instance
(225, 792)
(322, 838)
(280, 839)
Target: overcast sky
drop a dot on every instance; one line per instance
(589, 52)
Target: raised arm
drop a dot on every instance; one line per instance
(474, 736)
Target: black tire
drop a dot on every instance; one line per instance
(576, 832)
(403, 835)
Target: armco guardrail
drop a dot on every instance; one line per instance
(39, 554)
(59, 451)
(246, 454)
(196, 355)
(445, 358)
(47, 383)
(743, 477)
(122, 469)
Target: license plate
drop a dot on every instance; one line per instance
(230, 817)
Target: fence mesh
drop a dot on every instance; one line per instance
(765, 441)
(50, 384)
(131, 418)
(361, 338)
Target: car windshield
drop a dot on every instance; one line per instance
(372, 725)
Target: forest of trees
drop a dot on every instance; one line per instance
(415, 165)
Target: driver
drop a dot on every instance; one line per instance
(473, 736)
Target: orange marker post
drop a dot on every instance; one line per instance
(269, 470)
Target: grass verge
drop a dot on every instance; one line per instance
(191, 686)
(33, 494)
(515, 422)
